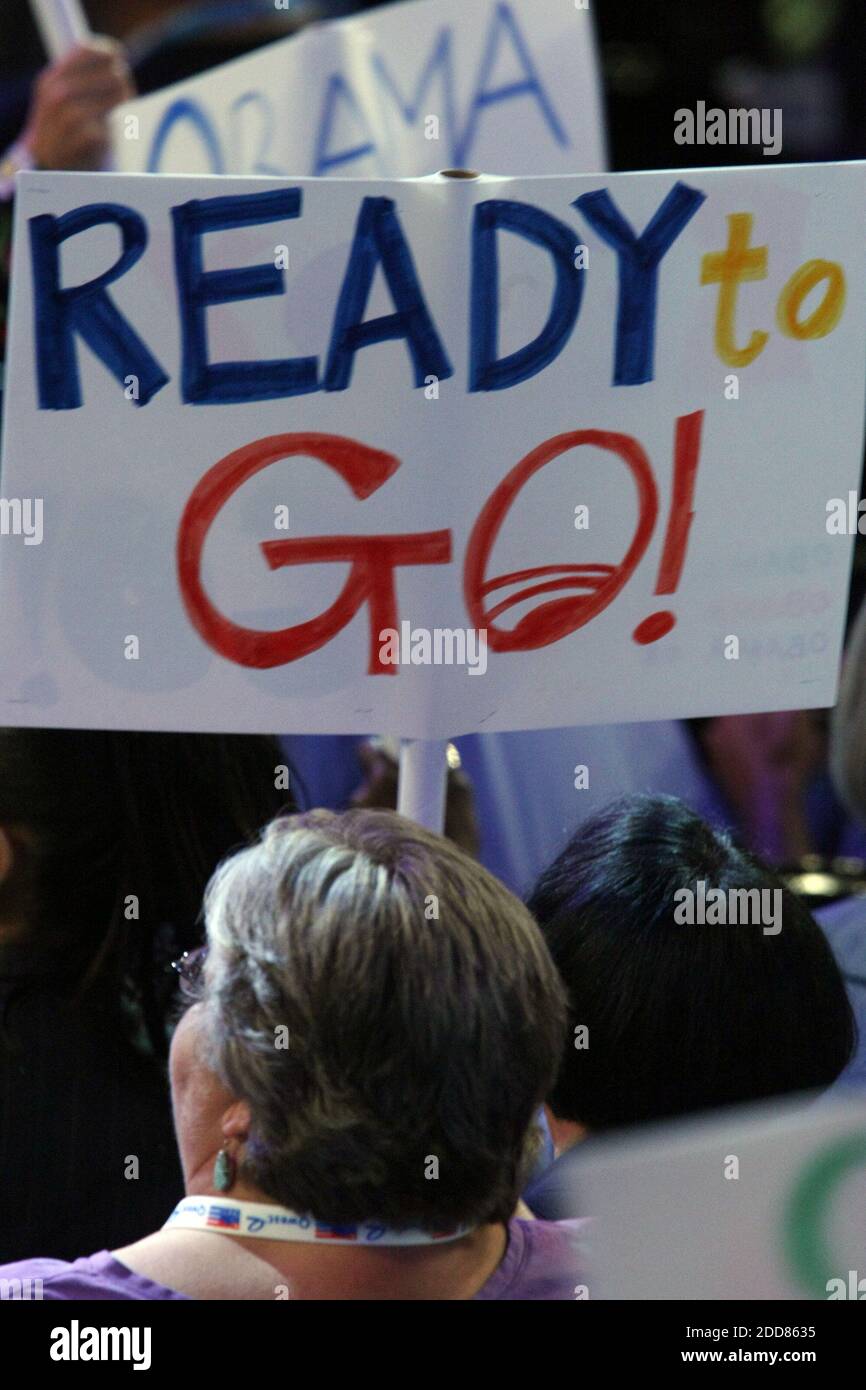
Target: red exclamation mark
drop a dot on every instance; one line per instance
(687, 447)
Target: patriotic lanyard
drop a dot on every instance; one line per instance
(278, 1223)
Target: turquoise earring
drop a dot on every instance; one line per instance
(224, 1171)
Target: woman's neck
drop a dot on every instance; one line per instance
(211, 1265)
(207, 1264)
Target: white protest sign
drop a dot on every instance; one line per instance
(507, 86)
(297, 446)
(62, 24)
(757, 1203)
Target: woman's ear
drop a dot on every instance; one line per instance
(237, 1121)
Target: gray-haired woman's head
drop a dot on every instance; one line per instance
(390, 1014)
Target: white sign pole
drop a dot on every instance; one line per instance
(62, 24)
(423, 777)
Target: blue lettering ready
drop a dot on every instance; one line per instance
(379, 241)
(486, 371)
(639, 259)
(85, 309)
(62, 314)
(208, 383)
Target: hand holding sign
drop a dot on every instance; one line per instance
(66, 126)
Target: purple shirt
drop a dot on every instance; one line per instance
(542, 1261)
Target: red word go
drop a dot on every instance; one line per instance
(374, 559)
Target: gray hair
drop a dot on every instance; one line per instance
(425, 1021)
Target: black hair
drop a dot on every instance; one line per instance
(680, 1017)
(115, 836)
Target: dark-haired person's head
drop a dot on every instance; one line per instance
(107, 840)
(690, 998)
